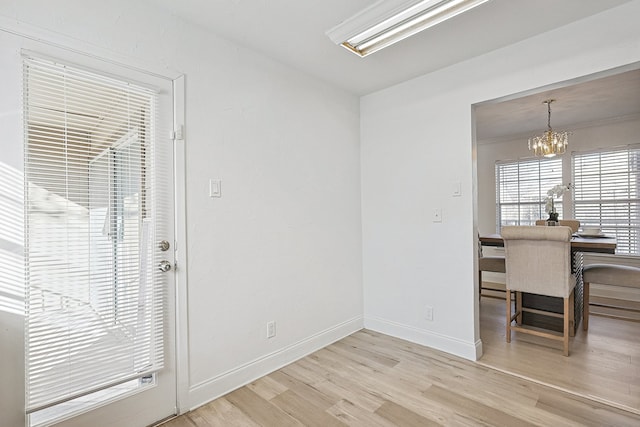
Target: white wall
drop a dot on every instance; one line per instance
(417, 139)
(284, 241)
(11, 247)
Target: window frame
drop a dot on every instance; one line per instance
(545, 181)
(627, 235)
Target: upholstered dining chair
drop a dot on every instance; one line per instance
(538, 261)
(494, 264)
(606, 274)
(573, 223)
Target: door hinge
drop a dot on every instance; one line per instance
(178, 133)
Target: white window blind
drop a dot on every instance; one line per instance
(94, 301)
(521, 189)
(607, 194)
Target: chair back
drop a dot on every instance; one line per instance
(573, 223)
(538, 260)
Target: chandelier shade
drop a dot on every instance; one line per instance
(550, 143)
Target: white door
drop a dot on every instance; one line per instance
(99, 240)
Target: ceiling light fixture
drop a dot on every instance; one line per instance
(389, 21)
(549, 143)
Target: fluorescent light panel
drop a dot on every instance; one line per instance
(394, 21)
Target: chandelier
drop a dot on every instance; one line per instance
(550, 142)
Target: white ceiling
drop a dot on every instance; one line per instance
(293, 32)
(615, 96)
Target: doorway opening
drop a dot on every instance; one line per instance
(603, 113)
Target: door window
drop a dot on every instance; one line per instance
(94, 301)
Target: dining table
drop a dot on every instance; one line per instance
(579, 243)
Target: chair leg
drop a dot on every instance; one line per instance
(518, 307)
(508, 299)
(566, 326)
(479, 285)
(572, 314)
(585, 307)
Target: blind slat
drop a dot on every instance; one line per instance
(94, 304)
(607, 194)
(521, 187)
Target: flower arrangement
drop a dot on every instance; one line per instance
(554, 192)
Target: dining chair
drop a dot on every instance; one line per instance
(493, 264)
(606, 274)
(538, 261)
(573, 223)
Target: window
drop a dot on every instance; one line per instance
(607, 193)
(521, 187)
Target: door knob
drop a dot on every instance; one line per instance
(164, 266)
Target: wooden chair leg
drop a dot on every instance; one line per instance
(508, 300)
(572, 314)
(585, 307)
(566, 326)
(518, 307)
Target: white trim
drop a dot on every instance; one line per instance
(209, 390)
(467, 349)
(180, 247)
(84, 48)
(479, 349)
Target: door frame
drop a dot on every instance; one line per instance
(180, 232)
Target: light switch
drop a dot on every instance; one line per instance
(215, 188)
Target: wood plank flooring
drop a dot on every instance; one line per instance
(604, 362)
(370, 379)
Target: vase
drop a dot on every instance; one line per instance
(553, 218)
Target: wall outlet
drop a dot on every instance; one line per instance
(271, 329)
(428, 313)
(437, 215)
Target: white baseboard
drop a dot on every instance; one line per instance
(204, 392)
(466, 349)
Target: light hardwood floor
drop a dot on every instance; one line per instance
(604, 363)
(370, 379)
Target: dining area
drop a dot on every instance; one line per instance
(577, 327)
(567, 347)
(559, 298)
(543, 265)
(551, 288)
(540, 259)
